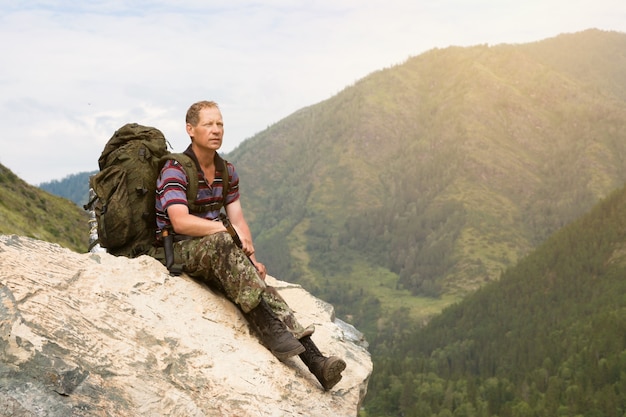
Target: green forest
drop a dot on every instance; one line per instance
(548, 339)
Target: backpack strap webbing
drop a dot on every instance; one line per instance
(191, 170)
(225, 182)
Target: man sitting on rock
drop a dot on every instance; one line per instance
(208, 252)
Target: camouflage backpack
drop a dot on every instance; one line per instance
(124, 189)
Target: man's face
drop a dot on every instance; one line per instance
(209, 131)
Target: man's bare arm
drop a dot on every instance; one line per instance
(185, 223)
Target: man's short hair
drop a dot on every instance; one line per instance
(193, 114)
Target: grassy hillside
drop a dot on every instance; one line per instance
(546, 340)
(28, 211)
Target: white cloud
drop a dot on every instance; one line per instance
(73, 72)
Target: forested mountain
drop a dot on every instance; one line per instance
(28, 211)
(74, 187)
(434, 176)
(548, 339)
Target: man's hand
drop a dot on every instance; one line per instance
(246, 242)
(261, 269)
(234, 217)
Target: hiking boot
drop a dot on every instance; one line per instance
(273, 332)
(326, 370)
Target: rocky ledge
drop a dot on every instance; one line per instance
(98, 335)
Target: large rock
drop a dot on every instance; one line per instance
(98, 335)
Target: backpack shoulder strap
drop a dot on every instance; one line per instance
(225, 183)
(191, 170)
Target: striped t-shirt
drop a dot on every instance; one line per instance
(171, 188)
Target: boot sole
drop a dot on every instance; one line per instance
(332, 372)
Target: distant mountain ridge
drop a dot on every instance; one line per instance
(74, 187)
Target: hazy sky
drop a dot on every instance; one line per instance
(73, 72)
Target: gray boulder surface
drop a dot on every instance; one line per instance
(97, 335)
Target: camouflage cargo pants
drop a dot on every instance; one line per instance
(215, 258)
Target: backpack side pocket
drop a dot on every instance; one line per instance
(112, 208)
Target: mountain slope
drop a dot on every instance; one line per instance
(444, 170)
(548, 336)
(26, 210)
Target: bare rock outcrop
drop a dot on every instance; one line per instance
(98, 335)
